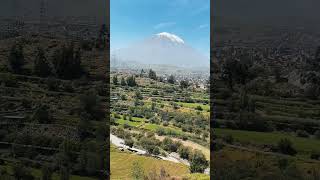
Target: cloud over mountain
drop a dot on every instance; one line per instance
(162, 48)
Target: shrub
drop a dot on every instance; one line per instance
(165, 123)
(228, 139)
(8, 80)
(317, 134)
(302, 133)
(184, 152)
(199, 108)
(285, 146)
(137, 171)
(129, 142)
(160, 131)
(198, 162)
(315, 155)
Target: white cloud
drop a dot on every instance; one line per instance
(164, 25)
(203, 26)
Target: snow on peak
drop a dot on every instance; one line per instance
(171, 37)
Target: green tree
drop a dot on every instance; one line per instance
(42, 115)
(184, 84)
(285, 146)
(184, 152)
(198, 162)
(16, 58)
(115, 80)
(67, 62)
(131, 81)
(46, 172)
(41, 66)
(171, 79)
(129, 142)
(152, 74)
(123, 82)
(20, 172)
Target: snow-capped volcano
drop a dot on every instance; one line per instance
(162, 48)
(171, 37)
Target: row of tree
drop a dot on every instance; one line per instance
(65, 63)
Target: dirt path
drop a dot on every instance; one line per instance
(190, 144)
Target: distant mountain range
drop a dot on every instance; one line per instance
(160, 49)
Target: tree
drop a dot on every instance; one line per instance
(152, 74)
(184, 152)
(198, 162)
(16, 58)
(199, 108)
(137, 171)
(138, 95)
(184, 84)
(64, 159)
(42, 115)
(129, 142)
(228, 72)
(317, 134)
(142, 73)
(115, 80)
(20, 172)
(91, 104)
(41, 66)
(123, 82)
(101, 133)
(131, 81)
(285, 146)
(102, 37)
(67, 62)
(171, 79)
(83, 126)
(46, 172)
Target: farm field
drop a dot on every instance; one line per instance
(52, 115)
(121, 170)
(160, 117)
(267, 112)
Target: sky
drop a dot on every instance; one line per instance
(132, 21)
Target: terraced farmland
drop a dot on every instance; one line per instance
(160, 117)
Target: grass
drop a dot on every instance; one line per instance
(194, 105)
(121, 165)
(304, 146)
(154, 127)
(37, 173)
(198, 176)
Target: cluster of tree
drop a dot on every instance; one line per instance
(239, 71)
(91, 104)
(129, 81)
(101, 42)
(16, 58)
(152, 74)
(66, 62)
(89, 162)
(42, 115)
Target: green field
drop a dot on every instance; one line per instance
(38, 174)
(194, 105)
(303, 145)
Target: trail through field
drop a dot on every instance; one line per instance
(170, 157)
(190, 144)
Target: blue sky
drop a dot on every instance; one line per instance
(134, 20)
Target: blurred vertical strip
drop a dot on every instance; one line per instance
(212, 105)
(108, 85)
